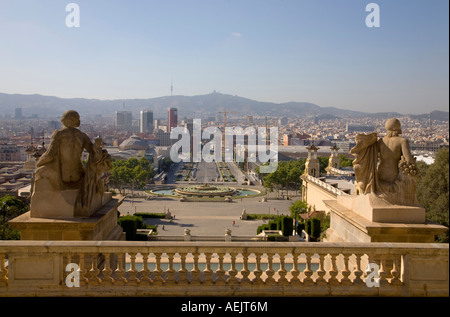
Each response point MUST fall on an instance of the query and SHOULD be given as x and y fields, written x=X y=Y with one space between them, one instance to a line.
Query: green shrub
x=273 y=225
x=150 y=215
x=129 y=225
x=153 y=227
x=262 y=227
x=260 y=216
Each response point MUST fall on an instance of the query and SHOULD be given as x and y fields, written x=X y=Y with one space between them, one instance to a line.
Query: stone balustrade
x=328 y=187
x=125 y=268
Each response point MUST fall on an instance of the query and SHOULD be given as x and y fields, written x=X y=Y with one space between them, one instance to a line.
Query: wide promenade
x=205 y=218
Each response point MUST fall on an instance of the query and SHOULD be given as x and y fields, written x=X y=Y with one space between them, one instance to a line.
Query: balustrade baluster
x=321 y=271
x=233 y=271
x=382 y=273
x=132 y=272
x=307 y=271
x=195 y=272
x=245 y=272
x=120 y=269
x=158 y=272
x=357 y=271
x=345 y=271
x=257 y=272
x=170 y=271
x=295 y=272
x=107 y=271
x=208 y=273
x=333 y=270
x=145 y=272
x=94 y=271
x=183 y=272
x=270 y=271
x=282 y=271
x=395 y=272
x=221 y=278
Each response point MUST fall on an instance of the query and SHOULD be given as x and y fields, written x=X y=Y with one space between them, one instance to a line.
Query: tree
x=345 y=162
x=323 y=163
x=433 y=189
x=287 y=176
x=133 y=172
x=11 y=207
x=298 y=207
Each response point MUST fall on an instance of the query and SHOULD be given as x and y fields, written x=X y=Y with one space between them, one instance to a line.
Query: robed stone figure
x=385 y=167
x=62 y=185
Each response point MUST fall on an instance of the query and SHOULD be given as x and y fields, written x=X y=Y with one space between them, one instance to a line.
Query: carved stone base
x=102 y=225
x=376 y=209
x=349 y=226
x=61 y=204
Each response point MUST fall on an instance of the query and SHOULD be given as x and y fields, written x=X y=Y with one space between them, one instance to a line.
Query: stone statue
x=243 y=214
x=92 y=187
x=62 y=186
x=60 y=167
x=385 y=166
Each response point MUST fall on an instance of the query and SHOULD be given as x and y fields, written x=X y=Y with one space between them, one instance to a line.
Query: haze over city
x=307 y=51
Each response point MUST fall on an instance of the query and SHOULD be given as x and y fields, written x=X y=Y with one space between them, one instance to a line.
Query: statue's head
x=70 y=119
x=393 y=127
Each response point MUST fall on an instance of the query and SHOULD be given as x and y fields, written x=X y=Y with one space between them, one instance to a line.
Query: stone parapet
x=125 y=268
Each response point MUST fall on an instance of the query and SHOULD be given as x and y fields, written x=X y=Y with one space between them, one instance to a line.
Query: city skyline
x=305 y=51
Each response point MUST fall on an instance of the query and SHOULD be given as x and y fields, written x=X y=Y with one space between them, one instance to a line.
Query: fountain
x=206 y=190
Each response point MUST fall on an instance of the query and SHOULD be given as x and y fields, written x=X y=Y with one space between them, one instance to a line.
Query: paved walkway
x=205 y=218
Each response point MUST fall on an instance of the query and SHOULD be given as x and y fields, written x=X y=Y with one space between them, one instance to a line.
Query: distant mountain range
x=201 y=106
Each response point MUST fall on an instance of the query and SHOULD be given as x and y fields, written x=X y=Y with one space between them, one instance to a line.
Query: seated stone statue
x=385 y=167
x=60 y=168
x=60 y=179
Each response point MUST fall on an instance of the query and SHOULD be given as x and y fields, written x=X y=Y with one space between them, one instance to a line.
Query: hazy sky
x=318 y=51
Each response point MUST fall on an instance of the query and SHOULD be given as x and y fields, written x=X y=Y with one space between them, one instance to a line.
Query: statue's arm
x=406 y=151
x=51 y=152
x=88 y=144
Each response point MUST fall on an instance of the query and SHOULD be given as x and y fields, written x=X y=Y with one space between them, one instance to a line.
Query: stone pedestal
x=62 y=204
x=101 y=225
x=364 y=218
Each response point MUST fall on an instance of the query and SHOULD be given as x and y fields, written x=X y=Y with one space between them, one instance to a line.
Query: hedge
x=300 y=227
x=315 y=228
x=150 y=214
x=286 y=226
x=308 y=226
x=129 y=224
x=273 y=225
x=262 y=227
x=260 y=216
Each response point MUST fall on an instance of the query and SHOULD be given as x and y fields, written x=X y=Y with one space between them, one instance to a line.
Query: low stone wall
x=125 y=268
